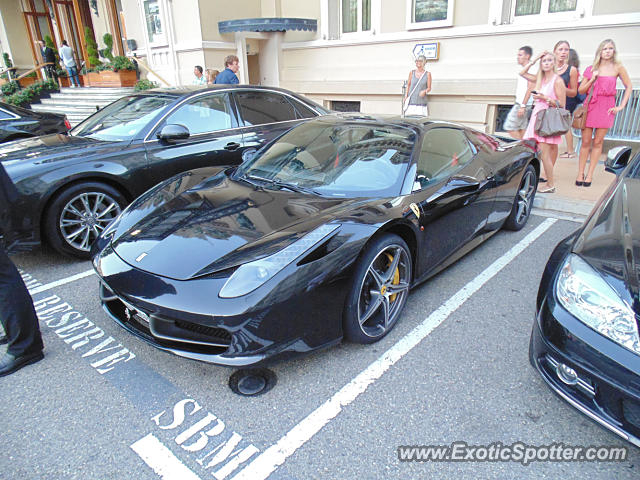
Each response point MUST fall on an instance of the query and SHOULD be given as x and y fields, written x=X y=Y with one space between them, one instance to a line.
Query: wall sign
x=430 y=50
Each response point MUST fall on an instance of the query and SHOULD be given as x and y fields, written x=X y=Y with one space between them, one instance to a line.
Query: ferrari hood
x=610 y=241
x=215 y=224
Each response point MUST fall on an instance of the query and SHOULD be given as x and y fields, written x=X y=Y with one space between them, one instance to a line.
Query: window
x=203 y=114
x=345 y=106
x=356 y=16
x=535 y=7
x=153 y=19
x=444 y=151
x=258 y=108
x=430 y=13
x=6 y=115
x=303 y=111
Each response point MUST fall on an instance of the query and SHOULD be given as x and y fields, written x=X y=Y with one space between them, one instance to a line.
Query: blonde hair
x=210 y=74
x=598 y=57
x=541 y=73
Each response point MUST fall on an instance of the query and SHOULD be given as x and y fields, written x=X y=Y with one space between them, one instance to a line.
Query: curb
x=564 y=205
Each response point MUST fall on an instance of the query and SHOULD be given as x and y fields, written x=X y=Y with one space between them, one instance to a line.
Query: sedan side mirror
x=173 y=132
x=617 y=159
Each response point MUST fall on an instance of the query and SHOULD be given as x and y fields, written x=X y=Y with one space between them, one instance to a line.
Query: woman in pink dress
x=549 y=90
x=600 y=78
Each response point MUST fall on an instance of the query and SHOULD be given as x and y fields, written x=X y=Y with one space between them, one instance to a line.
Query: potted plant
x=118 y=72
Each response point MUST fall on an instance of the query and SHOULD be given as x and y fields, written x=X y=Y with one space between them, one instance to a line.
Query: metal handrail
x=626 y=125
x=37 y=67
x=150 y=70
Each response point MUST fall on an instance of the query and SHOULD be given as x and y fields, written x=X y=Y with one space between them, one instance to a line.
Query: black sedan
x=319 y=236
x=16 y=123
x=72 y=186
x=585 y=340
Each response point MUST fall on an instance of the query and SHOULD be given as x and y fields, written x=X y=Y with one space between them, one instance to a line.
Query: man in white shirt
x=518 y=117
x=69 y=62
x=198 y=78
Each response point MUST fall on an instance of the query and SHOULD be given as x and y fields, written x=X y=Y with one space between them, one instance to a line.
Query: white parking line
x=265 y=464
x=162 y=460
x=62 y=281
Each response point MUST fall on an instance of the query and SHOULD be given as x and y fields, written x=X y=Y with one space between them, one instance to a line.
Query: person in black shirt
x=17 y=315
x=48 y=56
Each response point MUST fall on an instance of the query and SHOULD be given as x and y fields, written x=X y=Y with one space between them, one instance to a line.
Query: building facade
x=356 y=54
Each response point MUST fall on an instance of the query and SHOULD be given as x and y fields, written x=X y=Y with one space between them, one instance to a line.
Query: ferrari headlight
x=584 y=293
x=251 y=275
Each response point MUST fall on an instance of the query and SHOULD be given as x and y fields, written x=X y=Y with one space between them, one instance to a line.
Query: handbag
x=552 y=122
x=580 y=114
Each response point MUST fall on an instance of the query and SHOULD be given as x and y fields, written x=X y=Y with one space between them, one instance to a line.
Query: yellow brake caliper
x=396 y=277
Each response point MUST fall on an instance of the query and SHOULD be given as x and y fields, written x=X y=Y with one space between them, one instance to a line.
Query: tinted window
x=5 y=115
x=338 y=159
x=258 y=108
x=203 y=114
x=123 y=119
x=303 y=111
x=443 y=151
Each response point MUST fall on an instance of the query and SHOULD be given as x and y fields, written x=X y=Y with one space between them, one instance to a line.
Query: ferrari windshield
x=123 y=119
x=344 y=159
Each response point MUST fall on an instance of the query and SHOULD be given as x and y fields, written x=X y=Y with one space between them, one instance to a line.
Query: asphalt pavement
x=105 y=405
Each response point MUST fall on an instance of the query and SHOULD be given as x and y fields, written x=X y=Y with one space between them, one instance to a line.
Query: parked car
x=16 y=123
x=585 y=341
x=319 y=236
x=73 y=185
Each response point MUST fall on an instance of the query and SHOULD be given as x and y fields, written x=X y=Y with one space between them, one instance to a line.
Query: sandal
x=568 y=155
x=542 y=180
x=548 y=190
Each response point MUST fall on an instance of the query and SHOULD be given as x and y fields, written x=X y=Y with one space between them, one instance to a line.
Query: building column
x=270 y=59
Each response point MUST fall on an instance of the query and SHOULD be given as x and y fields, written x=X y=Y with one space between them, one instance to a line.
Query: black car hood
x=610 y=241
x=17 y=156
x=216 y=224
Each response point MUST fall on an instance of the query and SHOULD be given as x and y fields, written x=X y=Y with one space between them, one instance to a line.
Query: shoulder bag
x=580 y=113
x=553 y=121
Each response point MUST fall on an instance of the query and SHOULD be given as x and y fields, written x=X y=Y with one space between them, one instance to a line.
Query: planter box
x=107 y=78
x=26 y=81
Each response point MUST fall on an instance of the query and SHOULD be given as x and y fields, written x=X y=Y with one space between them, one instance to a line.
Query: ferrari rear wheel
x=523 y=202
x=379 y=290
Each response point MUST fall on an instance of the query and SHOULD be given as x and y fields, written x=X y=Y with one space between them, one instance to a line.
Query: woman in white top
x=67 y=57
x=418 y=85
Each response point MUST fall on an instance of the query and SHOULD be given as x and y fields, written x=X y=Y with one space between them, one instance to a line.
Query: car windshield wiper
x=278 y=183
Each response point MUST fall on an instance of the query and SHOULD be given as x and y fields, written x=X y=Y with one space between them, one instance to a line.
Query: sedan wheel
x=379 y=290
x=77 y=217
x=523 y=202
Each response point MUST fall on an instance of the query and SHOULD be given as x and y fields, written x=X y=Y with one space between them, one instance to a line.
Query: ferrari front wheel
x=379 y=290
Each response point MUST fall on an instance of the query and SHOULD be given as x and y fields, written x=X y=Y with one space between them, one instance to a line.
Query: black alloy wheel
x=523 y=202
x=379 y=290
x=78 y=215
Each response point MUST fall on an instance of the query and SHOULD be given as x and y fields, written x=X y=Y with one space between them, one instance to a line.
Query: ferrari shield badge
x=415 y=209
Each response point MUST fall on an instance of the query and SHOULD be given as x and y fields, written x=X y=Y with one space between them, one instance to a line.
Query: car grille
x=217 y=333
x=166 y=332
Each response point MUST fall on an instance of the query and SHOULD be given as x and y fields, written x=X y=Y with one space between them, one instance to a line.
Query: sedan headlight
x=251 y=275
x=584 y=293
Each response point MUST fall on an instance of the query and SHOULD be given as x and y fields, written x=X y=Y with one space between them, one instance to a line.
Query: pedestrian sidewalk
x=569 y=198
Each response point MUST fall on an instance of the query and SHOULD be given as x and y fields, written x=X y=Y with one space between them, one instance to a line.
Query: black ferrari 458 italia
x=320 y=236
x=72 y=186
x=585 y=340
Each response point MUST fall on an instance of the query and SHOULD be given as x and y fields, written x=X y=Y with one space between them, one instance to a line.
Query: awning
x=268 y=25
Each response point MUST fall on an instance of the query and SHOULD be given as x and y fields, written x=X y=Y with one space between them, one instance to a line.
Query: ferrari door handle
x=232 y=146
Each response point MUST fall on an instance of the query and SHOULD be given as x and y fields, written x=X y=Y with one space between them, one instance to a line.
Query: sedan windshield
x=122 y=120
x=346 y=160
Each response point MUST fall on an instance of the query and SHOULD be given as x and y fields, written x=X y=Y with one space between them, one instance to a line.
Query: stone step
x=96 y=90
x=86 y=110
x=77 y=102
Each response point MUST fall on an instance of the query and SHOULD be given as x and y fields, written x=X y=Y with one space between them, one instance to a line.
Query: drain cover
x=252 y=381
